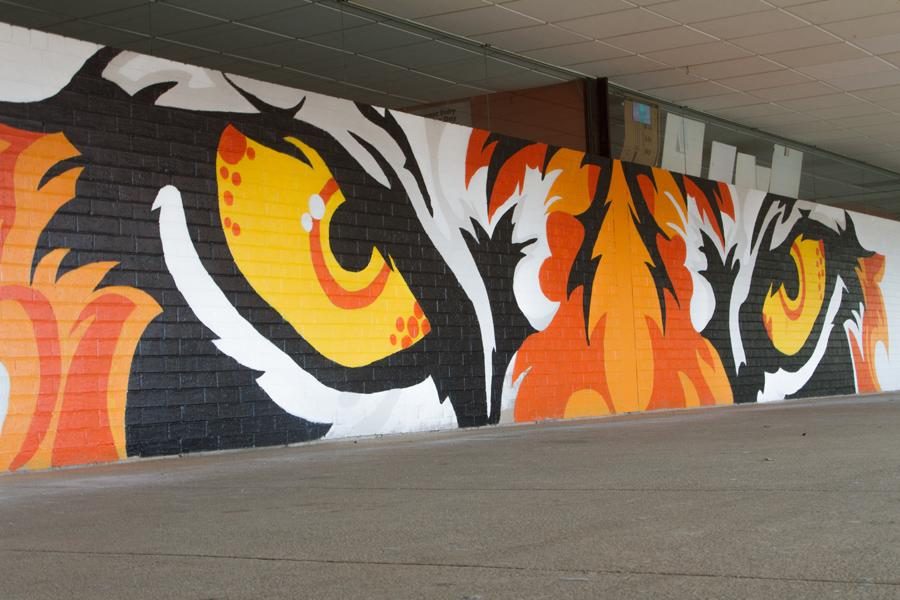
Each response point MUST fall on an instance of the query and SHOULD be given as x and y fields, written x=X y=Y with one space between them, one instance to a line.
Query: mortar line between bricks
x=720 y=490
x=451 y=565
x=563 y=489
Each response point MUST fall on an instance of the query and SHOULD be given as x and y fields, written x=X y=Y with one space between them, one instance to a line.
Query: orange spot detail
x=223 y=172
x=229 y=198
x=407 y=341
x=236 y=178
x=236 y=229
x=413 y=327
x=232 y=145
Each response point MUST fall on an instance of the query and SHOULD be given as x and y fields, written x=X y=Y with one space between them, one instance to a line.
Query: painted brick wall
x=191 y=261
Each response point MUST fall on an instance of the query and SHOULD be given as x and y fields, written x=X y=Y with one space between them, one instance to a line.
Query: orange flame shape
x=641 y=351
x=874 y=324
x=65 y=346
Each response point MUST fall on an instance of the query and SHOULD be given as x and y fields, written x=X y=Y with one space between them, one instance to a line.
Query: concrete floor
x=789 y=500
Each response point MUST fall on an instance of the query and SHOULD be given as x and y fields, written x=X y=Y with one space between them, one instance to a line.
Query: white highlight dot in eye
x=307 y=222
x=316 y=206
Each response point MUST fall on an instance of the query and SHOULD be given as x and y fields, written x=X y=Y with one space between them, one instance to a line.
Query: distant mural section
x=194 y=261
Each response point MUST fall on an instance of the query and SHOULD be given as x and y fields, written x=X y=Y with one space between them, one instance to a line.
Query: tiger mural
x=294 y=266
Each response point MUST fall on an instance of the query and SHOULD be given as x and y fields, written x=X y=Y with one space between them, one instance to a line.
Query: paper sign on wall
x=745 y=171
x=641 y=143
x=786 y=166
x=683 y=145
x=763 y=175
x=721 y=162
x=459 y=113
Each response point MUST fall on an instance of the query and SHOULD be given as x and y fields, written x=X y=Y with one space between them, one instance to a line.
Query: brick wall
x=251 y=265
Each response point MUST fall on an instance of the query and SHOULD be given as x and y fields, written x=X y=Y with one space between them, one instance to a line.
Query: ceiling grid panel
x=825 y=71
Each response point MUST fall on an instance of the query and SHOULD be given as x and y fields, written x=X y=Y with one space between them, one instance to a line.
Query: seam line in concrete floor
x=720 y=490
x=455 y=566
